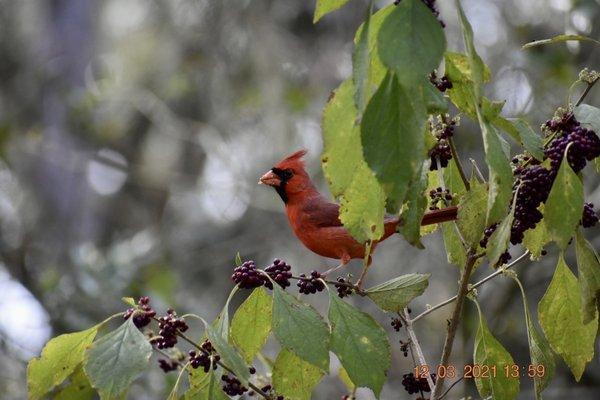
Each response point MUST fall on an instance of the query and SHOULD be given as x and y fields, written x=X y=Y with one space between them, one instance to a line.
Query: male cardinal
x=315 y=220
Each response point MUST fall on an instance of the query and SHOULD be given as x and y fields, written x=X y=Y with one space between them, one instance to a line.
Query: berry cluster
x=311 y=284
x=442 y=128
x=532 y=188
x=585 y=144
x=141 y=315
x=589 y=217
x=442 y=152
x=247 y=276
x=205 y=358
x=232 y=386
x=438 y=196
x=396 y=324
x=441 y=84
x=414 y=385
x=343 y=287
x=169 y=326
x=168 y=365
x=404 y=348
x=280 y=272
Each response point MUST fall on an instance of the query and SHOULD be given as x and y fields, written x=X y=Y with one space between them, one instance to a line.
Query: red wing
x=322 y=214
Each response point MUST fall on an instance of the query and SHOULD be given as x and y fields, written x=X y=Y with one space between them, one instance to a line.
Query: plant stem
x=461 y=170
x=586 y=91
x=472 y=287
x=414 y=343
x=226 y=368
x=451 y=386
x=463 y=289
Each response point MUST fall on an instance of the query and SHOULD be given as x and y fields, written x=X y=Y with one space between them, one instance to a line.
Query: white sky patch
x=122 y=17
x=24 y=321
x=581 y=22
x=104 y=178
x=513 y=86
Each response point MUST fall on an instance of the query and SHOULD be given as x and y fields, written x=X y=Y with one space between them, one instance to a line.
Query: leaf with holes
x=299 y=328
x=360 y=343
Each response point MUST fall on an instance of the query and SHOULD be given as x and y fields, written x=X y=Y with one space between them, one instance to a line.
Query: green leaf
x=588 y=116
x=325 y=7
x=411 y=41
x=377 y=70
x=415 y=206
x=342 y=155
x=471 y=213
x=498 y=242
x=453 y=180
x=343 y=375
x=589 y=276
x=362 y=208
x=476 y=65
x=531 y=140
x=229 y=354
x=115 y=360
x=349 y=177
x=539 y=349
x=535 y=239
x=458 y=70
x=299 y=328
x=360 y=64
x=79 y=388
x=360 y=343
x=251 y=323
x=559 y=39
x=238 y=259
x=129 y=301
x=435 y=102
x=395 y=294
x=455 y=250
x=501 y=178
x=204 y=386
x=222 y=322
x=59 y=358
x=293 y=377
x=392 y=130
x=488 y=351
x=564 y=206
x=561 y=315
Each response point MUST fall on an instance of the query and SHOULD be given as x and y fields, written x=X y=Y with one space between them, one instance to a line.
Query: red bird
x=315 y=220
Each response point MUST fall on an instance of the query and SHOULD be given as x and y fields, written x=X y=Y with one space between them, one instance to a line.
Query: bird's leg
x=343 y=261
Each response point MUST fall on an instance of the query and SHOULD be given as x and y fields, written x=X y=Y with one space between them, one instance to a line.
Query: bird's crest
x=293 y=160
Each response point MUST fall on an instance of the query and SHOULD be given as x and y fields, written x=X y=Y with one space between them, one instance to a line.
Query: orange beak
x=270 y=179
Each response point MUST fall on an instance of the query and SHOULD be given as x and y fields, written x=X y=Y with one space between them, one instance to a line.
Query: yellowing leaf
x=59 y=358
x=561 y=315
x=293 y=377
x=251 y=323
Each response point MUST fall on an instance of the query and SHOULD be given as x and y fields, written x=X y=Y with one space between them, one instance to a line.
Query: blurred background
x=132 y=135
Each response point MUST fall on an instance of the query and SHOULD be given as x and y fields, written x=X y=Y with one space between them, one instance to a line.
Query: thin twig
x=587 y=90
x=451 y=386
x=350 y=285
x=461 y=171
x=471 y=287
x=454 y=321
x=414 y=343
x=477 y=170
x=226 y=368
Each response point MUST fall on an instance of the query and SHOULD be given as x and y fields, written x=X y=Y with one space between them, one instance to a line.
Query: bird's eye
x=288 y=173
